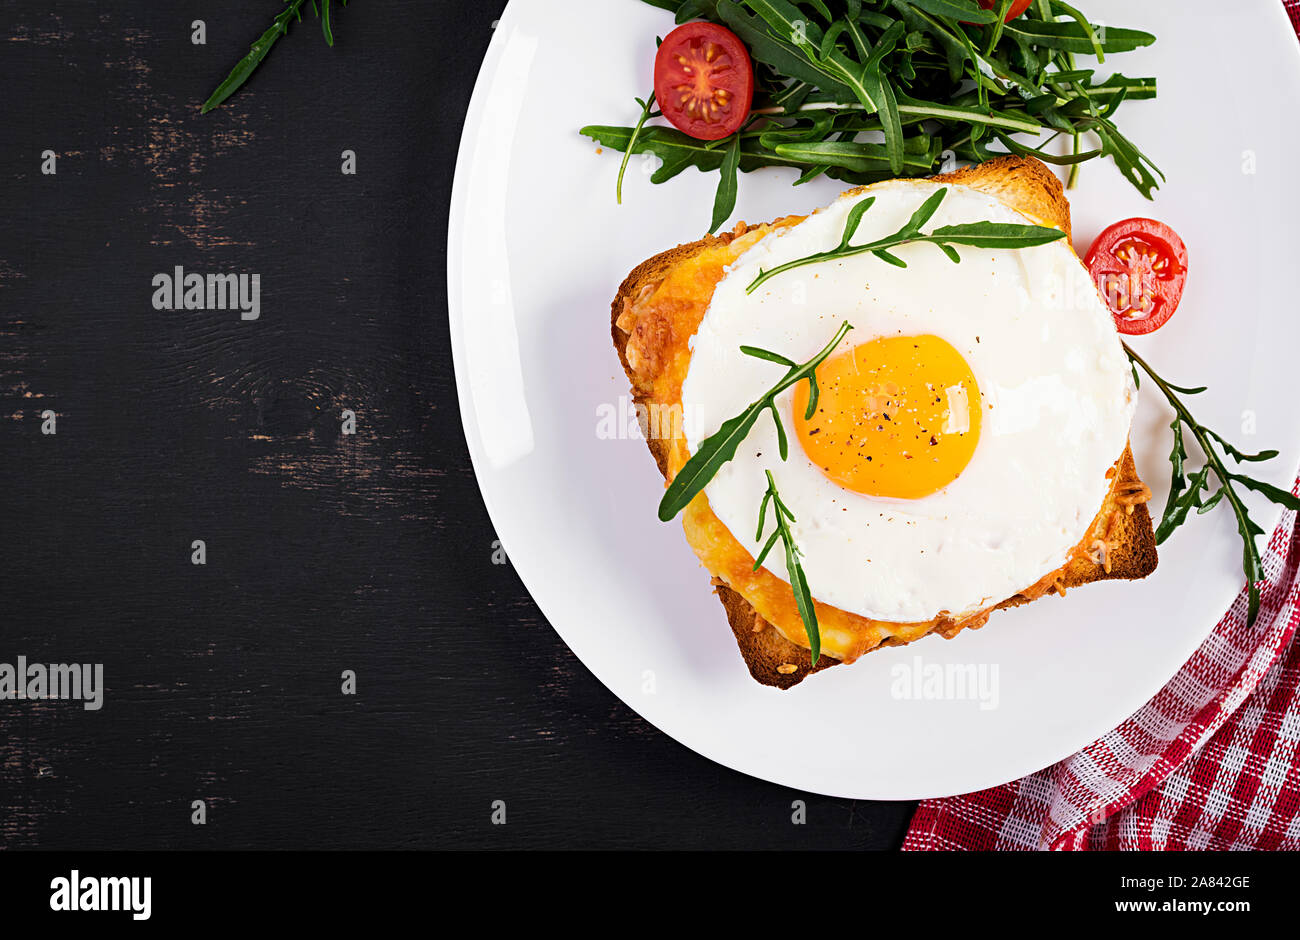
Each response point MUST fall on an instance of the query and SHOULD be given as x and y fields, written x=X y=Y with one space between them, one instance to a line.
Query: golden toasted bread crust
x=649 y=272
x=1024 y=184
x=1121 y=543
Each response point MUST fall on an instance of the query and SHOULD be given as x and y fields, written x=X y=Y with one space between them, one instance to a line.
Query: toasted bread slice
x=1120 y=544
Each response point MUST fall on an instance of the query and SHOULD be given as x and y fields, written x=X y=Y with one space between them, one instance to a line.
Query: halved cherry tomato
x=704 y=80
x=1140 y=266
x=1018 y=7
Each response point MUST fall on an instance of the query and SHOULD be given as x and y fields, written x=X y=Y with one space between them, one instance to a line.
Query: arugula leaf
x=692 y=9
x=964 y=11
x=720 y=447
x=1076 y=37
x=1185 y=493
x=262 y=47
x=995 y=235
x=780 y=52
x=972 y=234
x=1133 y=89
x=1133 y=163
x=860 y=157
x=1003 y=119
x=646 y=106
x=786 y=19
x=1274 y=493
x=1233 y=452
x=803 y=598
x=891 y=120
x=678 y=150
x=725 y=201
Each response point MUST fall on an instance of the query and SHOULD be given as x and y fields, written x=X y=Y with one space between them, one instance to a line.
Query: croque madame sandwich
x=911 y=407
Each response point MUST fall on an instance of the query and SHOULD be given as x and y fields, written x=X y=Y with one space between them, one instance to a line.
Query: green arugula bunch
x=866 y=90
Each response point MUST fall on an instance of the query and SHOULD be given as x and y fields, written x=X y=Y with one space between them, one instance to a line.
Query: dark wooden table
x=325 y=552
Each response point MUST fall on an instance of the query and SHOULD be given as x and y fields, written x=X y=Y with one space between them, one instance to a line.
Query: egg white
x=1057 y=401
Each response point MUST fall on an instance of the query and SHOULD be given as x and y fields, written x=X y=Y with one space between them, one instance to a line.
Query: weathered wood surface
x=325 y=552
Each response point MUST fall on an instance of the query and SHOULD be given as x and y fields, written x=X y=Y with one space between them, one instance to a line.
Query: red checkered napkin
x=1212 y=762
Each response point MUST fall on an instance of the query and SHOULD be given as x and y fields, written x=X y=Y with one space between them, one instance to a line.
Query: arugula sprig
x=865 y=90
x=973 y=234
x=720 y=447
x=798 y=581
x=1187 y=489
x=263 y=45
x=647 y=112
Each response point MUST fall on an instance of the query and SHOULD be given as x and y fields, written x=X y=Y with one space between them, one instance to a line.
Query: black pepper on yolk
x=896 y=417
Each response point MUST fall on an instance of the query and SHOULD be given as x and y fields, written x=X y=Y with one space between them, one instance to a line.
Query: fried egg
x=965 y=427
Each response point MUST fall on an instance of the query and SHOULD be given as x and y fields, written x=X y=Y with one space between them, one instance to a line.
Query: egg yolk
x=896 y=417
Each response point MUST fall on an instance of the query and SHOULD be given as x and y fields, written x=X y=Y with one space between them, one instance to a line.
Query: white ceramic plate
x=538 y=249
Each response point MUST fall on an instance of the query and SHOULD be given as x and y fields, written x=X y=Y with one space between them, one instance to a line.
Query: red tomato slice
x=1140 y=267
x=1018 y=7
x=704 y=80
